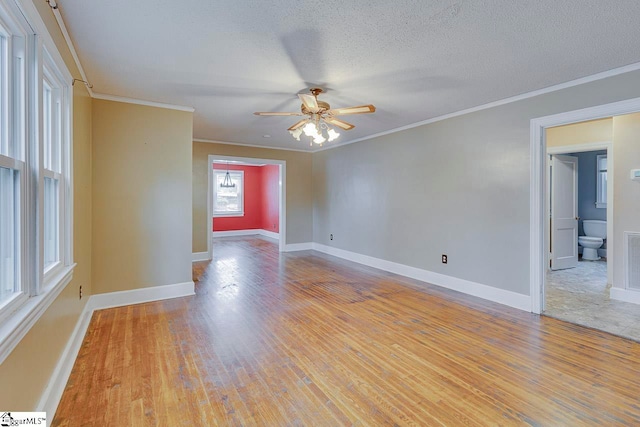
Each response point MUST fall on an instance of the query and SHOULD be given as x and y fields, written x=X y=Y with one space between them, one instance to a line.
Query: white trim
x=200 y=256
x=71 y=47
x=626 y=295
x=282 y=194
x=501 y=296
x=580 y=148
x=50 y=398
x=52 y=394
x=294 y=247
x=17 y=324
x=248 y=232
x=231 y=233
x=115 y=98
x=583 y=80
x=211 y=141
x=141 y=295
x=269 y=234
x=537 y=146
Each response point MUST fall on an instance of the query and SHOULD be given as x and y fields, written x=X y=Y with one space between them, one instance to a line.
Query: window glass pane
x=228 y=199
x=602 y=163
x=9 y=233
x=51 y=222
x=47 y=112
x=4 y=97
x=602 y=187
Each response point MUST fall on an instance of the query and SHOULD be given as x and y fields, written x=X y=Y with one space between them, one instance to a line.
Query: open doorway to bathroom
x=579 y=197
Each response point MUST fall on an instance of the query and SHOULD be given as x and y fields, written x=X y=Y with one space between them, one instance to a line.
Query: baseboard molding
x=250 y=232
x=626 y=295
x=270 y=234
x=53 y=392
x=294 y=247
x=142 y=295
x=200 y=256
x=509 y=298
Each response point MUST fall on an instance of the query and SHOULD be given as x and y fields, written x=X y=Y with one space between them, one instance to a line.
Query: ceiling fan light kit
x=320 y=116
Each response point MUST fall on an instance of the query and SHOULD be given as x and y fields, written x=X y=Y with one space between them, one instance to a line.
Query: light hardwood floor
x=307 y=339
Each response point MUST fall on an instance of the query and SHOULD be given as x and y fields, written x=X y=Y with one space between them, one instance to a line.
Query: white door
x=564 y=212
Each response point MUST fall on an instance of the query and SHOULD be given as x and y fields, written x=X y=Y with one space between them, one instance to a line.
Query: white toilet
x=596 y=232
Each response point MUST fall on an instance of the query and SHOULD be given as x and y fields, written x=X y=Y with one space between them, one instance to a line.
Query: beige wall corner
x=626 y=193
x=142 y=196
x=298 y=185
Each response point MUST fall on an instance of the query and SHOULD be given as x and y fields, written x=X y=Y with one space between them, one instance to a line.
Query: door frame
x=282 y=195
x=537 y=204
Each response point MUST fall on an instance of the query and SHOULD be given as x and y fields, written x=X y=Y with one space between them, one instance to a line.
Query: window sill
x=229 y=215
x=18 y=323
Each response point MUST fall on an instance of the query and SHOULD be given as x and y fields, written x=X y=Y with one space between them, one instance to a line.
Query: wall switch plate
x=444 y=259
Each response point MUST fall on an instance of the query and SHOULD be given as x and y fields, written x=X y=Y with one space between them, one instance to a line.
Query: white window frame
x=221 y=214
x=601 y=200
x=41 y=59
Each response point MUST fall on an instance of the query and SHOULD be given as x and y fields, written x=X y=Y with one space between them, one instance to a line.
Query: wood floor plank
x=307 y=339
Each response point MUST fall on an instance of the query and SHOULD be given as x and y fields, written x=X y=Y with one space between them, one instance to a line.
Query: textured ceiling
x=412 y=59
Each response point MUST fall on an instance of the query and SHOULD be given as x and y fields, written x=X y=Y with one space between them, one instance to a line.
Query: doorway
x=578 y=277
x=281 y=190
x=623 y=295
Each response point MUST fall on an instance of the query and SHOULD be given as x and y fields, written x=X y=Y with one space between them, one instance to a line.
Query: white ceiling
x=413 y=59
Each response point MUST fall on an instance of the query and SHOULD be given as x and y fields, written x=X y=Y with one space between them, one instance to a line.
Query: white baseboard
x=250 y=232
x=142 y=295
x=53 y=392
x=235 y=233
x=270 y=234
x=626 y=295
x=512 y=299
x=199 y=256
x=294 y=247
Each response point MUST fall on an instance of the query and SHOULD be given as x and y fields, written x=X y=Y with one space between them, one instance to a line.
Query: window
x=35 y=175
x=13 y=291
x=228 y=201
x=601 y=181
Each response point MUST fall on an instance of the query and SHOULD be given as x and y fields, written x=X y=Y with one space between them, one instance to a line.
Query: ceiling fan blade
x=299 y=124
x=259 y=113
x=361 y=109
x=337 y=122
x=310 y=102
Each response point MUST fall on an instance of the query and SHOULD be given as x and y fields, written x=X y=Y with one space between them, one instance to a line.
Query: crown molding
x=211 y=141
x=115 y=98
x=583 y=80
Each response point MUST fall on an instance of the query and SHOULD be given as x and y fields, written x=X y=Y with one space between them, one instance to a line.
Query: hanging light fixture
x=227 y=183
x=317 y=130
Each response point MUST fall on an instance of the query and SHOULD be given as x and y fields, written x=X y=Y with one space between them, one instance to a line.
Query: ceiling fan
x=320 y=116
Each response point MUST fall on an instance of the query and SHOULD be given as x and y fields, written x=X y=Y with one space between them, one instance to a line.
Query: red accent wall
x=261 y=204
x=270 y=198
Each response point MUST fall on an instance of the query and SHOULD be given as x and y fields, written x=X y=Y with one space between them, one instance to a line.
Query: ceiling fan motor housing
x=322 y=107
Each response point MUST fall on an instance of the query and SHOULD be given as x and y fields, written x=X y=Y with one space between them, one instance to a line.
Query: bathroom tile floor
x=580 y=295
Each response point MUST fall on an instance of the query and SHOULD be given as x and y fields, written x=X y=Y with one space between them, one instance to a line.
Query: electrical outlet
x=330 y=236
x=444 y=259
x=80 y=292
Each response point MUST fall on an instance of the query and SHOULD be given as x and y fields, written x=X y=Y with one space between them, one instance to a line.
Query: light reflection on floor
x=580 y=295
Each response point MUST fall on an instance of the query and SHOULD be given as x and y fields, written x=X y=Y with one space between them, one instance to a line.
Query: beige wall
x=626 y=193
x=298 y=186
x=29 y=367
x=581 y=133
x=142 y=196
